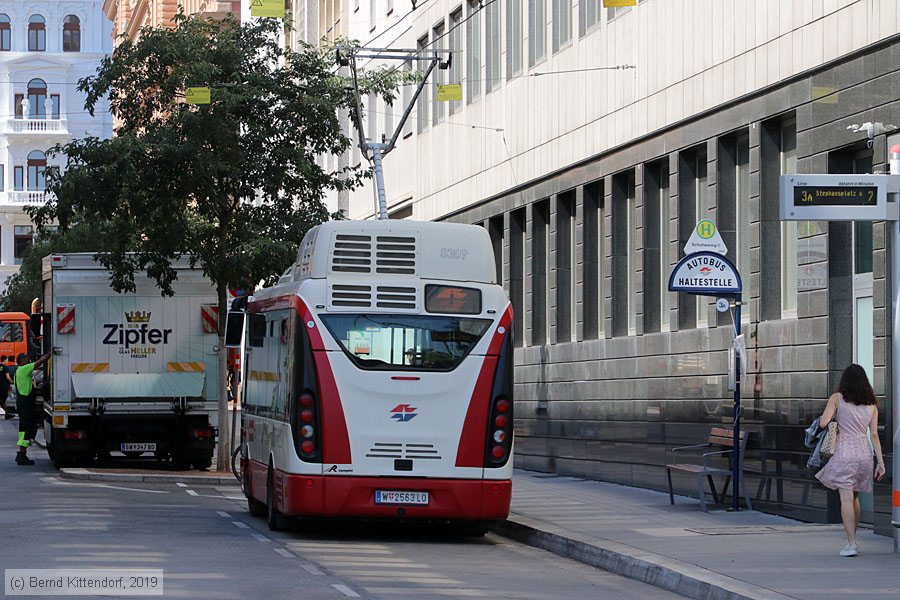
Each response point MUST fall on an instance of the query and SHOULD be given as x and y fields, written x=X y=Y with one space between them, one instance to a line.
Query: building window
x=565 y=265
x=2 y=178
x=37 y=99
x=788 y=160
x=513 y=38
x=592 y=237
x=656 y=247
x=5 y=33
x=37 y=34
x=862 y=230
x=492 y=45
x=701 y=210
x=590 y=11
x=742 y=205
x=562 y=23
x=473 y=52
x=623 y=283
x=18 y=178
x=54 y=105
x=517 y=219
x=456 y=44
x=372 y=9
x=22 y=241
x=423 y=101
x=539 y=250
x=537 y=31
x=612 y=13
x=37 y=167
x=71 y=34
x=438 y=77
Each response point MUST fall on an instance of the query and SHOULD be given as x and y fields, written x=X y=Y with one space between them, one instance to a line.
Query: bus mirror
x=234 y=327
x=257 y=331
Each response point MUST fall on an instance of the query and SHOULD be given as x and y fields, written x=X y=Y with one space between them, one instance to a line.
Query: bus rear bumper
x=348 y=496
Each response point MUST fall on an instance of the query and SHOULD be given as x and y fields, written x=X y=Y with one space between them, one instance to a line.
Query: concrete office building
x=45 y=48
x=590 y=176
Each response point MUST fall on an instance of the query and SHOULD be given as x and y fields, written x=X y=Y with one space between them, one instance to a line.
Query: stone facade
x=128 y=16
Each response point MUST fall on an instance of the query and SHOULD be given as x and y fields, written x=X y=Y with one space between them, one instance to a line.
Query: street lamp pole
x=895 y=357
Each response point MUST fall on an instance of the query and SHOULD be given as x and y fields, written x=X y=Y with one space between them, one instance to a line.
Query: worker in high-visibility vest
x=25 y=405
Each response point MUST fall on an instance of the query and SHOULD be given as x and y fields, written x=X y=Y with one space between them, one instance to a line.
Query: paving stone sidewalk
x=718 y=554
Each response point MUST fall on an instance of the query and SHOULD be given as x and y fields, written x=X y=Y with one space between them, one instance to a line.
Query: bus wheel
x=274 y=519
x=254 y=506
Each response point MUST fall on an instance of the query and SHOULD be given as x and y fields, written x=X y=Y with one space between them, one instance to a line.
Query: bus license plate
x=151 y=447
x=398 y=497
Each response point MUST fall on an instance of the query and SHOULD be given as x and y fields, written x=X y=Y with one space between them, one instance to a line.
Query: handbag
x=829 y=441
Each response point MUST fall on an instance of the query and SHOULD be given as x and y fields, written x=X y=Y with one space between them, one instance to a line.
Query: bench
x=718 y=437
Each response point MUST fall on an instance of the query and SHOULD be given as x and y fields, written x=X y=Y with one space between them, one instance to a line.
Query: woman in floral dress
x=854 y=407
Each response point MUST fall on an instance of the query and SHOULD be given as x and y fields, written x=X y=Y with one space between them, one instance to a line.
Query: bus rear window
x=11 y=332
x=405 y=342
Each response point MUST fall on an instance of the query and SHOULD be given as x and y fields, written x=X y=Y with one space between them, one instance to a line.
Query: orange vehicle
x=13 y=336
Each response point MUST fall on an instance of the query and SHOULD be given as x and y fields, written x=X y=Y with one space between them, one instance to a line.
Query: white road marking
x=191 y=492
x=179 y=484
x=284 y=553
x=223 y=514
x=55 y=481
x=260 y=537
x=311 y=569
x=345 y=590
x=239 y=524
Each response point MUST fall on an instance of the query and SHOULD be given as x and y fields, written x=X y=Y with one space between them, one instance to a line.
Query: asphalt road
x=210 y=547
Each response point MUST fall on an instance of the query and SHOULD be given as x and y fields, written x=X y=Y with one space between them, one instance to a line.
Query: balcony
x=31 y=198
x=37 y=126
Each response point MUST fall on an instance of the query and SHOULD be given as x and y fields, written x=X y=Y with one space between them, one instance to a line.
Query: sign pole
x=736 y=463
x=895 y=357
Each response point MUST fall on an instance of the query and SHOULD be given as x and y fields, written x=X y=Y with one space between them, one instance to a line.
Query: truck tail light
x=203 y=434
x=74 y=434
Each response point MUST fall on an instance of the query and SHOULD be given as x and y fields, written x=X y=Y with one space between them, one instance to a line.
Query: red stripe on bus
x=335 y=438
x=896 y=499
x=505 y=323
x=470 y=452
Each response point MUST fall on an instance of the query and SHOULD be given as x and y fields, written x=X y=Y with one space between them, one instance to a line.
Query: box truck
x=135 y=373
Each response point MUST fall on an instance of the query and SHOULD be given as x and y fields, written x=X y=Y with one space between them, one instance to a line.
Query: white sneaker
x=850 y=550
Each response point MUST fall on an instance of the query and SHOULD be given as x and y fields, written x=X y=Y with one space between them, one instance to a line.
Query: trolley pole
x=895 y=356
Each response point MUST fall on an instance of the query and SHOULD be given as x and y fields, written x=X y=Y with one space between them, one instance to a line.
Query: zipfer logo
x=403 y=413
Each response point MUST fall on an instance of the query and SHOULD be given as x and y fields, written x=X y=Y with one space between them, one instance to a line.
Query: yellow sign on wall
x=267 y=8
x=197 y=95
x=449 y=92
x=618 y=3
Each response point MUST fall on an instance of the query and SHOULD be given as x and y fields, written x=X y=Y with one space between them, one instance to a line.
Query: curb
x=659 y=571
x=86 y=475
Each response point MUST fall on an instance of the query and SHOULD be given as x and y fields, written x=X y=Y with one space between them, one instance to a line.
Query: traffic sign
x=836 y=198
x=267 y=8
x=706 y=238
x=705 y=274
x=448 y=92
x=722 y=305
x=197 y=95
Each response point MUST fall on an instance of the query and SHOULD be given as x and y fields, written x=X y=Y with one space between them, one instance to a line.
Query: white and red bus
x=379 y=378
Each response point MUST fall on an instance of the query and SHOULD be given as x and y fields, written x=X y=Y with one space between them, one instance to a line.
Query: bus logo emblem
x=403 y=413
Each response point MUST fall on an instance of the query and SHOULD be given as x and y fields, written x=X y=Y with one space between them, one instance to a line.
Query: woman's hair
x=854 y=386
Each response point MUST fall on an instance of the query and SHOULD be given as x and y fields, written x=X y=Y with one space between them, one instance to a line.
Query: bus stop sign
x=705 y=274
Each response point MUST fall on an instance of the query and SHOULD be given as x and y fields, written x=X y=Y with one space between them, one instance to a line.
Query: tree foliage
x=234 y=184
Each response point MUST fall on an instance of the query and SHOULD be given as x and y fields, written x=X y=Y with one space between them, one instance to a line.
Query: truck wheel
x=202 y=463
x=274 y=519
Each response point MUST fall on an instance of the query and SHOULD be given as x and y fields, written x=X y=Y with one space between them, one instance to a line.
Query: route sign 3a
x=838 y=197
x=705 y=238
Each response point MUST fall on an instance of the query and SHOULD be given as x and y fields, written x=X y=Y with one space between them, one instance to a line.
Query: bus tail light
x=309 y=422
x=499 y=432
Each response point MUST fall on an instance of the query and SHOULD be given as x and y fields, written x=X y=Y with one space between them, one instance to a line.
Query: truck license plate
x=143 y=447
x=401 y=497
